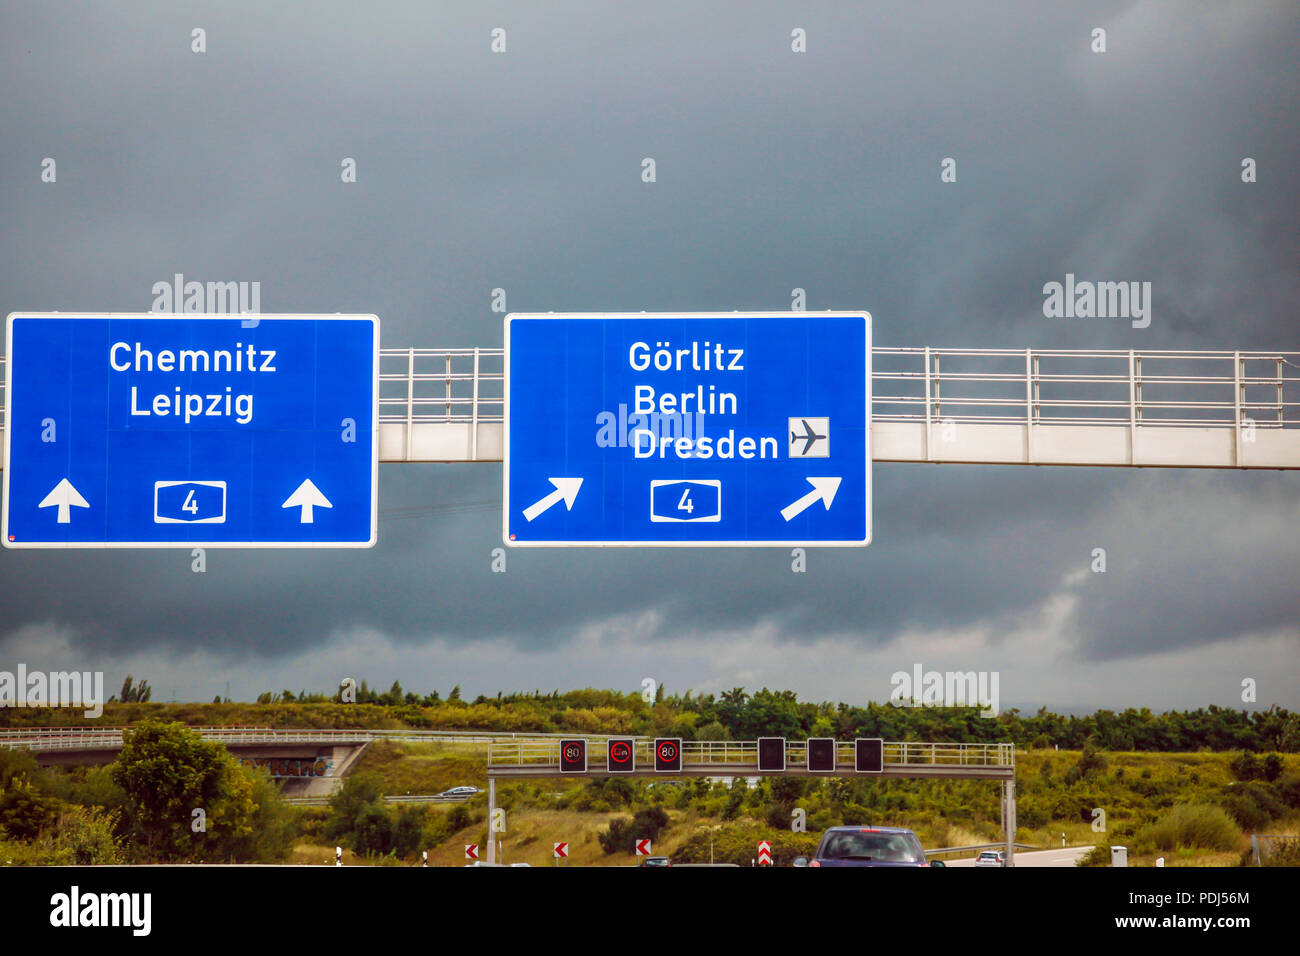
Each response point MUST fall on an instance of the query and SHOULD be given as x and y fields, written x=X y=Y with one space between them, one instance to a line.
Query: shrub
x=1193 y=825
x=1099 y=855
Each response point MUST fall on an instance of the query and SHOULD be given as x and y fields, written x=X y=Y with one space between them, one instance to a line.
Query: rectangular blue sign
x=154 y=431
x=708 y=429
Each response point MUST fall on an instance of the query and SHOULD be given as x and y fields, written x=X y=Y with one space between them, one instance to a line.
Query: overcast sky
x=775 y=170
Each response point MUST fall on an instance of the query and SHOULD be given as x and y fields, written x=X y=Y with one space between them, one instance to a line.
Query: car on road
x=655 y=861
x=868 y=846
x=459 y=792
x=992 y=858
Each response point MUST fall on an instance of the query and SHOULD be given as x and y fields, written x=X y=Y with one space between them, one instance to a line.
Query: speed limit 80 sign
x=573 y=756
x=668 y=754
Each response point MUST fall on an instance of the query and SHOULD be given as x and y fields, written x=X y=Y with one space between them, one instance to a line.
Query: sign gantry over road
x=687 y=429
x=155 y=431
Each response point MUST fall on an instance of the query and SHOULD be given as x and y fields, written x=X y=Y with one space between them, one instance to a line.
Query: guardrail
x=397 y=798
x=79 y=738
x=945 y=851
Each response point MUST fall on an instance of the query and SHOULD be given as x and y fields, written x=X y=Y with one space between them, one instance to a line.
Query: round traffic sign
x=620 y=752
x=667 y=750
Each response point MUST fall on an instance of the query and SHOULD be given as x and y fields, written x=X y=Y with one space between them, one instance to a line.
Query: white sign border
x=505 y=448
x=181 y=545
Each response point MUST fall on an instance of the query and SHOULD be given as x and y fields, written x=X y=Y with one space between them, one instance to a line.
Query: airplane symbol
x=811 y=434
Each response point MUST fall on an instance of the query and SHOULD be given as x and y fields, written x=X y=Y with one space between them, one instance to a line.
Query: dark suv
x=869 y=846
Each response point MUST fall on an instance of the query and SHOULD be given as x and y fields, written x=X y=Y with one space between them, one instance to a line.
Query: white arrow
x=64 y=496
x=565 y=488
x=306 y=497
x=823 y=489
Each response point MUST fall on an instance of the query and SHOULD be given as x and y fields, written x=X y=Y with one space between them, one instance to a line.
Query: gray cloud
x=774 y=171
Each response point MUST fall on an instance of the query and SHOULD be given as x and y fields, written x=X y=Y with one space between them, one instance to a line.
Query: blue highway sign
x=155 y=431
x=708 y=429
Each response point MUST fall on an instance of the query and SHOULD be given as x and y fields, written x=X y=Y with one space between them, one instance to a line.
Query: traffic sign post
x=621 y=755
x=573 y=756
x=712 y=429
x=668 y=755
x=821 y=754
x=156 y=431
x=771 y=755
x=869 y=755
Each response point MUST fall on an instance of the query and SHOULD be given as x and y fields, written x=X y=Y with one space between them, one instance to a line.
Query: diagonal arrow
x=823 y=490
x=64 y=496
x=306 y=496
x=566 y=489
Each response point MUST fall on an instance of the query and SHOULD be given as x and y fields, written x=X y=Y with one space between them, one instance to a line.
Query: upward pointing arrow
x=565 y=488
x=64 y=496
x=823 y=489
x=306 y=496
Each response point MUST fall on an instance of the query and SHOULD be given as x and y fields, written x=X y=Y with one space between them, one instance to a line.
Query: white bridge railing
x=1244 y=406
x=1060 y=386
x=94 y=738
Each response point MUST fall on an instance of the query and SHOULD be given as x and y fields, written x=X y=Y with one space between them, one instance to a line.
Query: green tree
x=168 y=772
x=25 y=812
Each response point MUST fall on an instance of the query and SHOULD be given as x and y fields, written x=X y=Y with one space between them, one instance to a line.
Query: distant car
x=868 y=846
x=459 y=792
x=991 y=858
x=655 y=861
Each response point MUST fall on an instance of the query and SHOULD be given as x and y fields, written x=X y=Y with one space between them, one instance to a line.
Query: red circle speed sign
x=667 y=750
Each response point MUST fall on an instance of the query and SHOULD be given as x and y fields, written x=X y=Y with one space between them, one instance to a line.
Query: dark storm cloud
x=774 y=171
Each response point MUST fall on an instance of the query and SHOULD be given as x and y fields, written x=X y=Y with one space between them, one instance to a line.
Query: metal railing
x=399 y=798
x=949 y=850
x=1080 y=387
x=982 y=386
x=742 y=756
x=90 y=738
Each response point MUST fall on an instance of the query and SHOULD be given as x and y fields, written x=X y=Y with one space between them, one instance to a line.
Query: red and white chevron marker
x=642 y=847
x=764 y=853
x=561 y=851
x=471 y=851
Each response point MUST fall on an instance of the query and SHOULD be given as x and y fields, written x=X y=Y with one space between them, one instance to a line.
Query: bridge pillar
x=1009 y=818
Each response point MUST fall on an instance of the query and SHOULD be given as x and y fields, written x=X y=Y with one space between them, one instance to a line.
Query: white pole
x=492 y=805
x=338 y=856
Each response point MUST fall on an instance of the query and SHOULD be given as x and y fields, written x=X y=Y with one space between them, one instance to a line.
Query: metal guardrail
x=1124 y=387
x=397 y=798
x=945 y=851
x=89 y=738
x=1081 y=387
x=742 y=756
x=985 y=386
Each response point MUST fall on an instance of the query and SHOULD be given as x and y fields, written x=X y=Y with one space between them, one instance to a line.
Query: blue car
x=869 y=846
